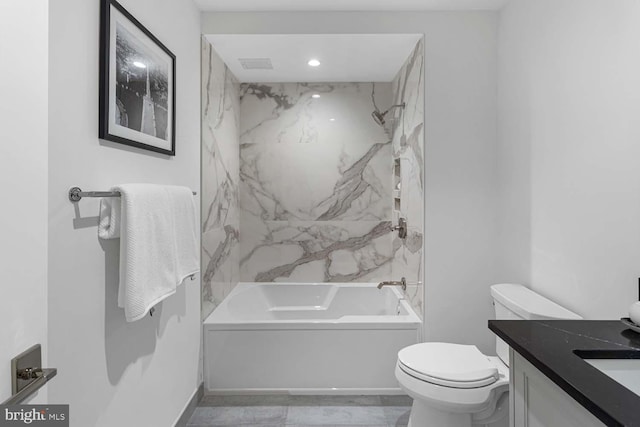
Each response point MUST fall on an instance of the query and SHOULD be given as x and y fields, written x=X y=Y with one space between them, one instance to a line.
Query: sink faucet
x=402 y=283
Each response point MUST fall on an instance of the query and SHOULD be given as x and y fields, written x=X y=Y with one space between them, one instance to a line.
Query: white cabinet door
x=537 y=402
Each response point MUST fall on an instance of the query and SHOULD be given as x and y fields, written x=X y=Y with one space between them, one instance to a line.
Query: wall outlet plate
x=30 y=358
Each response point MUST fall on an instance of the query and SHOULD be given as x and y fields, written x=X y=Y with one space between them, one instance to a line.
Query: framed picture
x=137 y=83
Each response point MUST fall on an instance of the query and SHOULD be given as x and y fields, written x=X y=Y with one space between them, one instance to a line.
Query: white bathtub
x=307 y=338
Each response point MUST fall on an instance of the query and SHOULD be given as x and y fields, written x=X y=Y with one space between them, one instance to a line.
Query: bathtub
x=327 y=338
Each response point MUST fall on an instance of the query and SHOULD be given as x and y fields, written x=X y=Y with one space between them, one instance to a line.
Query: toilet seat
x=448 y=365
x=454 y=399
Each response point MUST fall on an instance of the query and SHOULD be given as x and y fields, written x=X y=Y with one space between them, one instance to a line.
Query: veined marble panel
x=316 y=188
x=316 y=251
x=220 y=265
x=220 y=179
x=299 y=164
x=408 y=146
x=220 y=142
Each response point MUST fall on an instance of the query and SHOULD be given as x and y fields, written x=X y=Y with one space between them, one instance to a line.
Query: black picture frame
x=137 y=83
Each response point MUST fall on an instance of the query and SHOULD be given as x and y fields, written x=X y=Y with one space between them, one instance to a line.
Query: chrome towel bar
x=76 y=194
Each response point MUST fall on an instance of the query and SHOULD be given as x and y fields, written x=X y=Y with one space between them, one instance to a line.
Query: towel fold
x=110 y=213
x=158 y=242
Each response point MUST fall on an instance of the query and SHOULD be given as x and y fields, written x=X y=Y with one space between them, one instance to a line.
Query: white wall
x=460 y=146
x=23 y=174
x=113 y=373
x=570 y=144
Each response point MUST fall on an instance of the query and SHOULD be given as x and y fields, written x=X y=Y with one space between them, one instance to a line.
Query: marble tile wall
x=309 y=181
x=220 y=179
x=408 y=147
x=315 y=183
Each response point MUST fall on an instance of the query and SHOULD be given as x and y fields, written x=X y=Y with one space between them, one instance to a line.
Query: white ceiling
x=343 y=57
x=347 y=5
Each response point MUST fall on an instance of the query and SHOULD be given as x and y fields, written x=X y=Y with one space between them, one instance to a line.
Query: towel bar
x=76 y=193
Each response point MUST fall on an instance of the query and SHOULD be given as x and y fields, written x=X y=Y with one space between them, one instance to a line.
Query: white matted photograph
x=137 y=83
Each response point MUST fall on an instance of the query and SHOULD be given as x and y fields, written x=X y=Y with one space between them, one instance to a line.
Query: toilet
x=454 y=385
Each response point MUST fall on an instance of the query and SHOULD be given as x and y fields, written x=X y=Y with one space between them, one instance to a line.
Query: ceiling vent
x=256 y=63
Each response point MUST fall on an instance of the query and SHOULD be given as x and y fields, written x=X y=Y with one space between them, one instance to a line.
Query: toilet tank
x=517 y=302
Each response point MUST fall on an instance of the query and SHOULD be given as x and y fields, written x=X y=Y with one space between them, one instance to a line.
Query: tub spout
x=402 y=283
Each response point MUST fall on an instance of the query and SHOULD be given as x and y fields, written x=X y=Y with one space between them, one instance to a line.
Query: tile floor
x=302 y=411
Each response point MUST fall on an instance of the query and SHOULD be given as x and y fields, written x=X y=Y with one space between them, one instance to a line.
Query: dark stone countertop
x=557 y=347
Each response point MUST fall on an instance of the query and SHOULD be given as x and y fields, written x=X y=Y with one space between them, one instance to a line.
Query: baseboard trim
x=307 y=391
x=191 y=405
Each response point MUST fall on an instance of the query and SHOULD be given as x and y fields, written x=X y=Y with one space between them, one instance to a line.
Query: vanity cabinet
x=535 y=401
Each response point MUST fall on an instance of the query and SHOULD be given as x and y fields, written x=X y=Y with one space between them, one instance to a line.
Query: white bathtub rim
x=217 y=320
x=309 y=326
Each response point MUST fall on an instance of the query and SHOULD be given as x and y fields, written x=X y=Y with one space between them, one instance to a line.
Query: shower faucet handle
x=401 y=228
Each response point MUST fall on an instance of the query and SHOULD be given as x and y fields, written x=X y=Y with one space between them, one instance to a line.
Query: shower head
x=378 y=117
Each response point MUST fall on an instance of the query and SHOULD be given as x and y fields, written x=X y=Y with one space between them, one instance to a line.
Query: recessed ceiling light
x=315 y=95
x=313 y=63
x=139 y=64
x=332 y=119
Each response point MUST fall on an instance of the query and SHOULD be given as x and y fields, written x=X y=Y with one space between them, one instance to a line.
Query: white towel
x=158 y=242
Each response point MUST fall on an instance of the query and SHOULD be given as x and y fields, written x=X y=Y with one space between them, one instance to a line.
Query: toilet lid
x=450 y=365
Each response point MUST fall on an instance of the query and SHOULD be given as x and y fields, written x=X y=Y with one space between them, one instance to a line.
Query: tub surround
x=408 y=149
x=315 y=192
x=220 y=179
x=299 y=185
x=555 y=348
